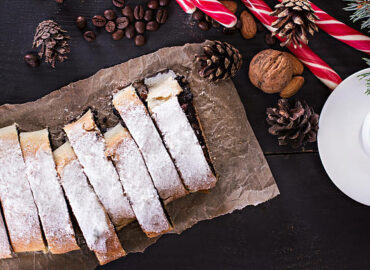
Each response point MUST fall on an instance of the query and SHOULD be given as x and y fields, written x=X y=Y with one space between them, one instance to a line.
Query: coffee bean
x=99 y=21
x=139 y=40
x=269 y=39
x=89 y=36
x=139 y=12
x=215 y=24
x=118 y=35
x=148 y=15
x=130 y=32
x=127 y=12
x=203 y=25
x=163 y=3
x=81 y=22
x=208 y=18
x=152 y=26
x=140 y=27
x=161 y=16
x=153 y=4
x=32 y=60
x=110 y=15
x=260 y=27
x=122 y=22
x=118 y=3
x=110 y=27
x=197 y=15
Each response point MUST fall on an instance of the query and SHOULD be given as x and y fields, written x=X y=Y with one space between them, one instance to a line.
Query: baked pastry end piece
x=5 y=250
x=92 y=219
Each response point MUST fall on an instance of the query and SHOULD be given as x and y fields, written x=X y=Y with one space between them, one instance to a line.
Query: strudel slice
x=178 y=134
x=160 y=166
x=5 y=250
x=19 y=208
x=92 y=219
x=89 y=145
x=136 y=181
x=47 y=192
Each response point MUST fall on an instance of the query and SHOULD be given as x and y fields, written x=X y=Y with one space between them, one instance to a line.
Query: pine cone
x=294 y=124
x=53 y=41
x=295 y=19
x=220 y=61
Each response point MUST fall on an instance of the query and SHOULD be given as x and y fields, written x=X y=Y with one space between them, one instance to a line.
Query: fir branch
x=367 y=60
x=361 y=10
x=366 y=76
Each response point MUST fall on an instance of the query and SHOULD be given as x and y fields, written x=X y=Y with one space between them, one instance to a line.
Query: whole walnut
x=271 y=71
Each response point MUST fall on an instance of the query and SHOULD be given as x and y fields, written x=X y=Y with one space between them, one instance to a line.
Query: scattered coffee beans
x=197 y=15
x=81 y=22
x=122 y=22
x=148 y=15
x=139 y=12
x=140 y=27
x=203 y=25
x=130 y=32
x=89 y=36
x=163 y=3
x=118 y=35
x=161 y=16
x=139 y=40
x=99 y=21
x=118 y=3
x=32 y=60
x=153 y=4
x=127 y=12
x=110 y=27
x=152 y=26
x=110 y=15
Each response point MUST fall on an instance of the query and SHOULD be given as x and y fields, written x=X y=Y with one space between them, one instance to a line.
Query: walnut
x=271 y=71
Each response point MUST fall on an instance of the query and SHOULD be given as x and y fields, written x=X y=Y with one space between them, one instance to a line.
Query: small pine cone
x=220 y=61
x=53 y=41
x=296 y=19
x=294 y=123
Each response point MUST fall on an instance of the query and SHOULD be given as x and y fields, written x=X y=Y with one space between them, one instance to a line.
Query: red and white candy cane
x=341 y=31
x=217 y=11
x=314 y=63
x=187 y=6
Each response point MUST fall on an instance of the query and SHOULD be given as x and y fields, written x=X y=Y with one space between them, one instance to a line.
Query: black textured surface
x=311 y=225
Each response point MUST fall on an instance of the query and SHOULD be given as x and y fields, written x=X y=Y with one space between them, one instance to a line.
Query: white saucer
x=344 y=138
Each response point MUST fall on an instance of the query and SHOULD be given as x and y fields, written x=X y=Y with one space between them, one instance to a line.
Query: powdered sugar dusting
x=5 y=251
x=183 y=145
x=160 y=166
x=47 y=192
x=19 y=208
x=92 y=219
x=137 y=183
x=89 y=146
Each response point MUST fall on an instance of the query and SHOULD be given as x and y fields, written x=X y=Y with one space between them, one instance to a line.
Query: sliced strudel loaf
x=178 y=134
x=136 y=181
x=89 y=145
x=47 y=192
x=19 y=208
x=5 y=250
x=92 y=219
x=160 y=166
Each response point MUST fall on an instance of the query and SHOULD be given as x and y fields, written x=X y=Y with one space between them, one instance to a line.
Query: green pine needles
x=361 y=11
x=366 y=77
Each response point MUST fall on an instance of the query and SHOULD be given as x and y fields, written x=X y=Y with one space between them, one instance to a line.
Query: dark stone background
x=311 y=225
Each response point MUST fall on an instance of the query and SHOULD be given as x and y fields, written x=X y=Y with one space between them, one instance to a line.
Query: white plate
x=344 y=138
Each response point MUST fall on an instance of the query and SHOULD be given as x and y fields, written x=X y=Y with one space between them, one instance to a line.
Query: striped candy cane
x=187 y=6
x=313 y=62
x=341 y=31
x=217 y=11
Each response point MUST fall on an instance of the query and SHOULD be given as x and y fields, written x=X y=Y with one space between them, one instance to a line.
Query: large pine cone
x=220 y=61
x=296 y=19
x=294 y=124
x=53 y=41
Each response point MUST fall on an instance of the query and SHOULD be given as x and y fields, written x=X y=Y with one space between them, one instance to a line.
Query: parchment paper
x=244 y=175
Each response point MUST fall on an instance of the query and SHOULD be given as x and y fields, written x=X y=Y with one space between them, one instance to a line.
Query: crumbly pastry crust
x=92 y=219
x=136 y=181
x=47 y=192
x=160 y=166
x=89 y=146
x=20 y=212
